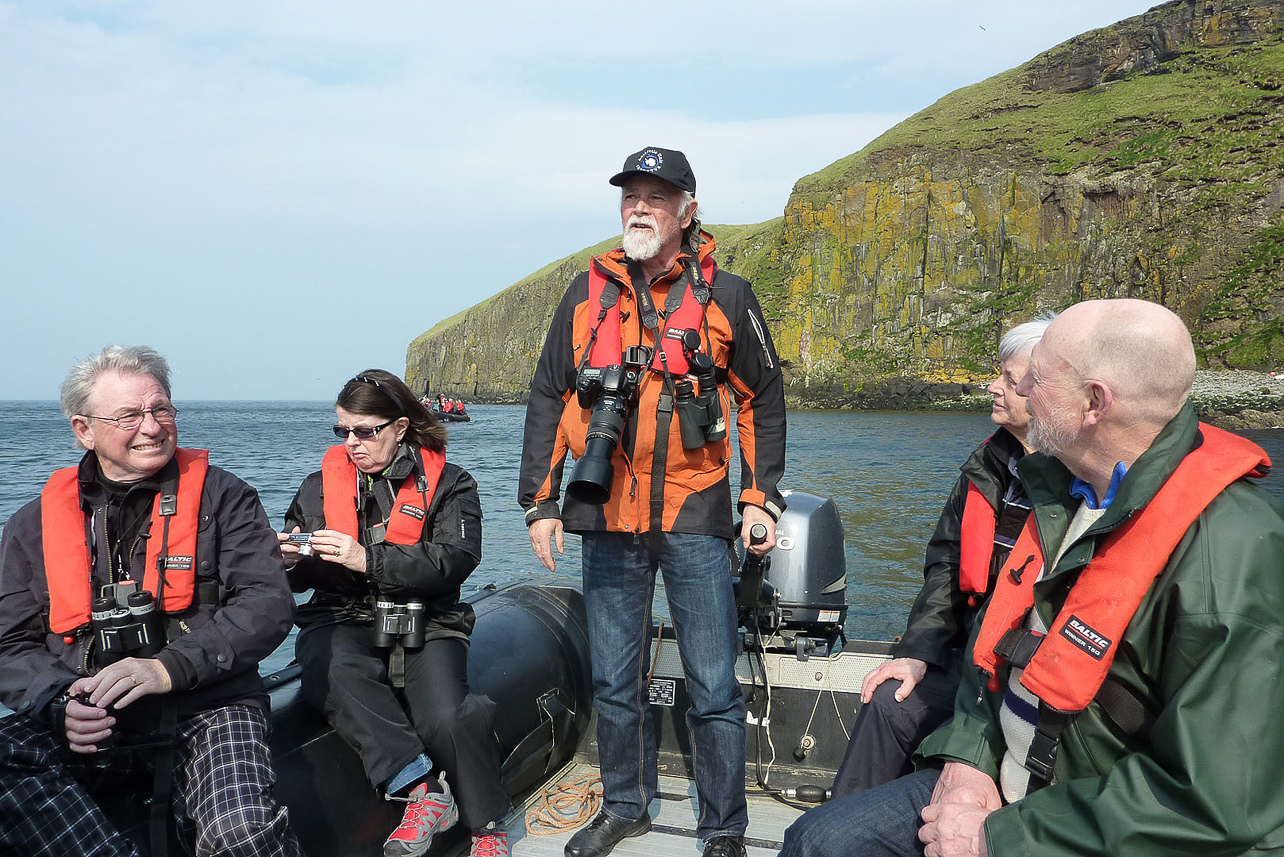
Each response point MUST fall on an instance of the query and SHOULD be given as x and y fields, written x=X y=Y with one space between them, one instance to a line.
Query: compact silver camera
x=303 y=540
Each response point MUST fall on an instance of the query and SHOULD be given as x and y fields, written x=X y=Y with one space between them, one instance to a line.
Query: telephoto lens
x=591 y=479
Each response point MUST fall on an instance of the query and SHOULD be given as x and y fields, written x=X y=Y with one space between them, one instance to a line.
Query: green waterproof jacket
x=1204 y=652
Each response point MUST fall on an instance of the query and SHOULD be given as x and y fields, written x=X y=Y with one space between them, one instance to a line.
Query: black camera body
x=399 y=623
x=610 y=391
x=125 y=623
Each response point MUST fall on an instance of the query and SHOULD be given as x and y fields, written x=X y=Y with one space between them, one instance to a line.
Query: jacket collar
x=404 y=462
x=988 y=465
x=95 y=487
x=615 y=264
x=1048 y=482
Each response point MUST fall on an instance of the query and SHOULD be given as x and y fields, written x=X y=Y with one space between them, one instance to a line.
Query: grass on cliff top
x=738 y=248
x=1194 y=118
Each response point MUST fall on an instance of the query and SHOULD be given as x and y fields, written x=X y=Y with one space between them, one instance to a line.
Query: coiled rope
x=565 y=805
x=571 y=803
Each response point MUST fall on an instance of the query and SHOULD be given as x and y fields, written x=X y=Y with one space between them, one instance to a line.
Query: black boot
x=604 y=832
x=725 y=846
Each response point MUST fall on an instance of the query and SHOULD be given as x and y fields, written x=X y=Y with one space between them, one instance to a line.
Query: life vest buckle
x=1042 y=757
x=168 y=503
x=1017 y=646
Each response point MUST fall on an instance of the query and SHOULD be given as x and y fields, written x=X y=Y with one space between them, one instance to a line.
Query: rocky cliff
x=1144 y=160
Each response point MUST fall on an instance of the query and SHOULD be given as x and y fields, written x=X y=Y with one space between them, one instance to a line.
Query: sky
x=277 y=194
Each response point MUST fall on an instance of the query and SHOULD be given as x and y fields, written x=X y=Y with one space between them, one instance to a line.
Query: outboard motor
x=803 y=596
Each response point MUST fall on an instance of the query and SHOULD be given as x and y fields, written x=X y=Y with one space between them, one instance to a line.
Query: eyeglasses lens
x=134 y=419
x=361 y=432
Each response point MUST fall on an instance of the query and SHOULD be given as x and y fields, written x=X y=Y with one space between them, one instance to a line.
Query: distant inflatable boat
x=434 y=408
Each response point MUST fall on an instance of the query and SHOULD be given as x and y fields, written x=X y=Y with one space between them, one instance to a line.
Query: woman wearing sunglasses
x=383 y=642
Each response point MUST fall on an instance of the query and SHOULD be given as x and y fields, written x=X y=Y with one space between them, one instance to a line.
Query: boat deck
x=673 y=815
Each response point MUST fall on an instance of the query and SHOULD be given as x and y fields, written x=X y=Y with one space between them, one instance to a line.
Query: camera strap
x=397 y=666
x=168 y=504
x=663 y=410
x=163 y=779
x=646 y=307
x=610 y=296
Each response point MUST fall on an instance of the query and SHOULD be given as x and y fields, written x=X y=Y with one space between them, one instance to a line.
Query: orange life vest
x=406 y=524
x=976 y=544
x=689 y=315
x=1072 y=660
x=68 y=564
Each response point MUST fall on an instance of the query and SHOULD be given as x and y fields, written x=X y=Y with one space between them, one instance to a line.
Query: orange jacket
x=696 y=491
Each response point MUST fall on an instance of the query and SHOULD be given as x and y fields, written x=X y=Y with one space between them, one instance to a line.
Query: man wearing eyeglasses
x=137 y=597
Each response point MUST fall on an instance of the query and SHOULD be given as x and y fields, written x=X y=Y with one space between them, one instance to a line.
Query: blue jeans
x=880 y=822
x=619 y=583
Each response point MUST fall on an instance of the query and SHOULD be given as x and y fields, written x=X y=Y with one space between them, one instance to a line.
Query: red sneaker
x=426 y=813
x=489 y=843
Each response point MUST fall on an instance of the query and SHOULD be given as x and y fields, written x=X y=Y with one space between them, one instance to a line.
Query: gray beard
x=641 y=246
x=1053 y=437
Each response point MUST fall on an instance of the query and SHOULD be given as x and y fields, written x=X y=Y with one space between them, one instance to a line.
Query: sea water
x=887 y=473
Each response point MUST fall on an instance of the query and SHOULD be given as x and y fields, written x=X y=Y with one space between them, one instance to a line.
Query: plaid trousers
x=222 y=799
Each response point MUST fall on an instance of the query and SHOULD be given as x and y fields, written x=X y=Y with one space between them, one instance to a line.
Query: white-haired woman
x=906 y=698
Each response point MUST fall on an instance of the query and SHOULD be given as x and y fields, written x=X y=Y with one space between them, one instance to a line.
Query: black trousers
x=888 y=732
x=346 y=677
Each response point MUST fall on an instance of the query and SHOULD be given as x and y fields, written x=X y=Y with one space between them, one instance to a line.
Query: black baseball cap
x=668 y=164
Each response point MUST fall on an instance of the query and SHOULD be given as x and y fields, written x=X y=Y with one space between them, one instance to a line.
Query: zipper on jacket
x=762 y=338
x=88 y=644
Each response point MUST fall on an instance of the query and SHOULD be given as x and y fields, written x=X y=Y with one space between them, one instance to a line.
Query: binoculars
x=125 y=623
x=699 y=409
x=399 y=623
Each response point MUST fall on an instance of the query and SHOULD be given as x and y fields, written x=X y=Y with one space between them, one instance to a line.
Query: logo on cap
x=650 y=161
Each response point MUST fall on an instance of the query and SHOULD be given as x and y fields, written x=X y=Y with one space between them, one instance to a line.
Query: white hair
x=136 y=359
x=1022 y=338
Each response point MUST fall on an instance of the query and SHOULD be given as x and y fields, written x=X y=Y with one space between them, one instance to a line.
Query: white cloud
x=249 y=156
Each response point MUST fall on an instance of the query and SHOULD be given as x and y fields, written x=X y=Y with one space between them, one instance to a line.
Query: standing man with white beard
x=642 y=359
